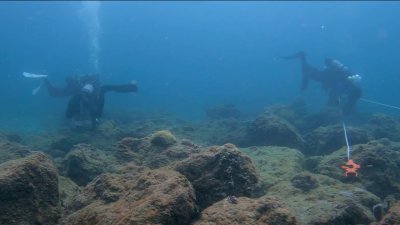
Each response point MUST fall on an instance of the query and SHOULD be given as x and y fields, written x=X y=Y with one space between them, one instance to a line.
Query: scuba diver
x=87 y=95
x=336 y=79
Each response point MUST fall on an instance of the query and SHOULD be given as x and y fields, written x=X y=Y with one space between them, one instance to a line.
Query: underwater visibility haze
x=199 y=112
x=187 y=56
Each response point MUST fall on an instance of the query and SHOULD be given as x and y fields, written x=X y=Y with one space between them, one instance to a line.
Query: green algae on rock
x=264 y=210
x=274 y=164
x=151 y=197
x=10 y=150
x=84 y=163
x=163 y=138
x=331 y=202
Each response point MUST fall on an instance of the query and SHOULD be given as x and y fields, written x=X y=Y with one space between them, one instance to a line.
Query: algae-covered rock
x=163 y=138
x=331 y=202
x=144 y=153
x=392 y=217
x=67 y=189
x=10 y=150
x=246 y=211
x=384 y=126
x=219 y=172
x=274 y=164
x=325 y=140
x=272 y=130
x=304 y=181
x=151 y=197
x=29 y=191
x=379 y=161
x=84 y=163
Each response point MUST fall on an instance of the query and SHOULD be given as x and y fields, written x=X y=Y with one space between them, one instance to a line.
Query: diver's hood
x=88 y=88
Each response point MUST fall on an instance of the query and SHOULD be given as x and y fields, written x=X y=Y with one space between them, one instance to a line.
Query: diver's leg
x=354 y=94
x=334 y=99
x=73 y=107
x=308 y=71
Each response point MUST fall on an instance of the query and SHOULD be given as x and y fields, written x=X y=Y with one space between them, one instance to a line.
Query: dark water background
x=188 y=56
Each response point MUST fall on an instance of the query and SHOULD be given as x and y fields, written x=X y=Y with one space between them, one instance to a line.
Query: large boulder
x=269 y=129
x=325 y=140
x=84 y=162
x=246 y=211
x=380 y=168
x=219 y=172
x=274 y=164
x=152 y=197
x=29 y=191
x=321 y=200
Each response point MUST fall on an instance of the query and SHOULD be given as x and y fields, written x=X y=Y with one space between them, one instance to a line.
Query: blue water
x=188 y=56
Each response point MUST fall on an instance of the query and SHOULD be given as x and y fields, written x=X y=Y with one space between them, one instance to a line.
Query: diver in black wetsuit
x=336 y=79
x=87 y=95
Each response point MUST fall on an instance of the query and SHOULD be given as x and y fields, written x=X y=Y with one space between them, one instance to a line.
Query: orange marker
x=350 y=168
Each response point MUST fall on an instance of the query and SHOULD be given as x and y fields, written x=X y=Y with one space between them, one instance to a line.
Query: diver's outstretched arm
x=124 y=88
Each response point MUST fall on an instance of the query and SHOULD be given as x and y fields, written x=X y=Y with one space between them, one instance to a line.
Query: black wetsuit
x=86 y=103
x=334 y=79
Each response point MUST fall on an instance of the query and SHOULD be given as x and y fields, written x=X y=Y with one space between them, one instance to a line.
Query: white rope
x=381 y=104
x=347 y=140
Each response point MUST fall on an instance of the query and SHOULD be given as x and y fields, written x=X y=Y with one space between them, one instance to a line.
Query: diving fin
x=32 y=75
x=37 y=89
